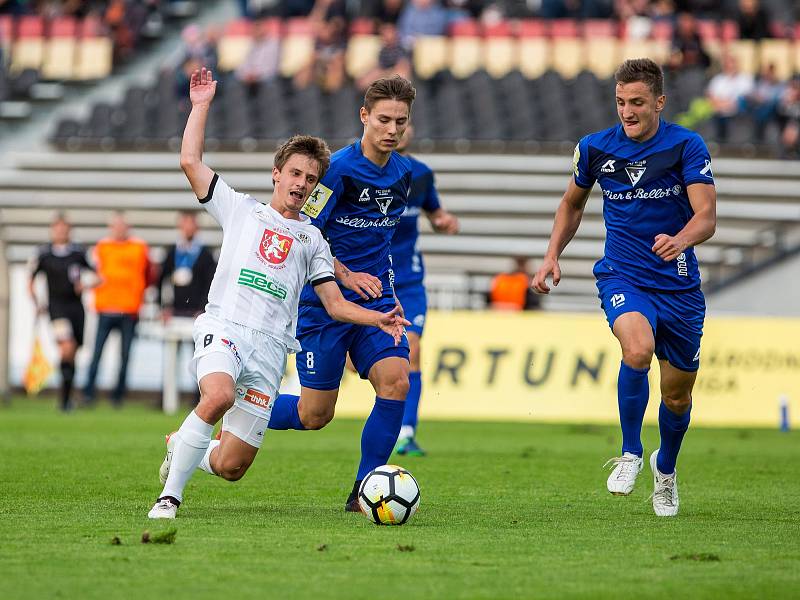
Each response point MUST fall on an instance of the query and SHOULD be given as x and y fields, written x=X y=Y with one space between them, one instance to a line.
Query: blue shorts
x=676 y=318
x=325 y=344
x=415 y=305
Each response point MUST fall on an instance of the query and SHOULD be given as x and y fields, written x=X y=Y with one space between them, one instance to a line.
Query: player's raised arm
x=202 y=88
x=703 y=198
x=348 y=312
x=568 y=217
x=365 y=285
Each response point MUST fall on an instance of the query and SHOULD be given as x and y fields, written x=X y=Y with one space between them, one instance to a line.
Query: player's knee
x=677 y=402
x=215 y=402
x=395 y=388
x=638 y=356
x=233 y=472
x=317 y=420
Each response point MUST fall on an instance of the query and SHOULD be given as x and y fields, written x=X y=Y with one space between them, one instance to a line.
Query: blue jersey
x=406 y=258
x=357 y=205
x=644 y=194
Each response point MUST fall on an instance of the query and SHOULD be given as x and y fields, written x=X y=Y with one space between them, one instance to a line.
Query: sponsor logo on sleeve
x=707 y=170
x=317 y=200
x=576 y=157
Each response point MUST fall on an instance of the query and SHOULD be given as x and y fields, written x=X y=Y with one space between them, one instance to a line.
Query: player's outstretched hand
x=668 y=248
x=548 y=267
x=393 y=323
x=202 y=87
x=365 y=285
x=446 y=222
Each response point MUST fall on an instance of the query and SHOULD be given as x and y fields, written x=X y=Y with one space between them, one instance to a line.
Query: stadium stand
x=505 y=203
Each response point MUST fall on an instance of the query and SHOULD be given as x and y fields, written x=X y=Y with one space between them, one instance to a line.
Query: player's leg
x=320 y=365
x=231 y=455
x=188 y=445
x=678 y=350
x=64 y=323
x=632 y=319
x=407 y=443
x=386 y=366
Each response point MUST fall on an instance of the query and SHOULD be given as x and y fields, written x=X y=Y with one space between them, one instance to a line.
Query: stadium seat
x=431 y=55
x=568 y=56
x=362 y=54
x=27 y=51
x=602 y=55
x=563 y=28
x=500 y=50
x=466 y=48
x=534 y=49
x=95 y=52
x=746 y=54
x=60 y=49
x=658 y=50
x=662 y=30
x=298 y=46
x=778 y=53
x=362 y=26
x=234 y=44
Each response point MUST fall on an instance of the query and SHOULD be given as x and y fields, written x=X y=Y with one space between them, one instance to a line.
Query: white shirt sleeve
x=223 y=202
x=321 y=263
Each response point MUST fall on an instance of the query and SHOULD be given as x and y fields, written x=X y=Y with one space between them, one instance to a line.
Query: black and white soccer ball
x=389 y=495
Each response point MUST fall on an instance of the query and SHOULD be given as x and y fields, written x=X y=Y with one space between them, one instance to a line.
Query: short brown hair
x=644 y=70
x=389 y=88
x=312 y=147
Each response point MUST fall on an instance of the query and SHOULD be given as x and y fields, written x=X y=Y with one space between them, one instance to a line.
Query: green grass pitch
x=508 y=511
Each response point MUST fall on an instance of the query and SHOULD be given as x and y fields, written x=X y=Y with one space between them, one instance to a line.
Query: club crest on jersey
x=274 y=247
x=384 y=199
x=635 y=171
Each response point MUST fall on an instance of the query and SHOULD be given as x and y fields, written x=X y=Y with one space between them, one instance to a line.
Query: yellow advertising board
x=563 y=367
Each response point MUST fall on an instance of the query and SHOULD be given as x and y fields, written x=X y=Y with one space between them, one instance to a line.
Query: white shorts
x=254 y=360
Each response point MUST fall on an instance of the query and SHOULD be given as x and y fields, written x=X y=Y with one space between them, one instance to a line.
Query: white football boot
x=163 y=471
x=665 y=490
x=163 y=509
x=624 y=472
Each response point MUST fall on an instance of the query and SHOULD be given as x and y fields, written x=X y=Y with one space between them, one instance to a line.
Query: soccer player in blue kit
x=357 y=205
x=659 y=201
x=409 y=272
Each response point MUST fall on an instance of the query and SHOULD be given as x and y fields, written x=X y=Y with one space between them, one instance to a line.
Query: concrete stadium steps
x=505 y=202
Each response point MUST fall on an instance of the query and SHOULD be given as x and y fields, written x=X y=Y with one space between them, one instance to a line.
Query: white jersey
x=264 y=262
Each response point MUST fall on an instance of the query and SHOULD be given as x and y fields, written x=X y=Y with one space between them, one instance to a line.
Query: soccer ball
x=389 y=495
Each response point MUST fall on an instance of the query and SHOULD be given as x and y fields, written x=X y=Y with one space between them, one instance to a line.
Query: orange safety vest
x=509 y=291
x=123 y=268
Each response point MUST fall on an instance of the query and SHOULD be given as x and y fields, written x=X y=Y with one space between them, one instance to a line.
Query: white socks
x=194 y=437
x=205 y=464
x=406 y=431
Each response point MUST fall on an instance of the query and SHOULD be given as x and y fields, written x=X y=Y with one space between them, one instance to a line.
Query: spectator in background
x=262 y=60
x=687 y=50
x=185 y=276
x=326 y=67
x=196 y=51
x=392 y=59
x=788 y=114
x=761 y=103
x=512 y=290
x=421 y=17
x=383 y=11
x=753 y=20
x=726 y=92
x=123 y=267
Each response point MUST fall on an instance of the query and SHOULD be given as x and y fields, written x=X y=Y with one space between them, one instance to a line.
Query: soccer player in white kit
x=243 y=337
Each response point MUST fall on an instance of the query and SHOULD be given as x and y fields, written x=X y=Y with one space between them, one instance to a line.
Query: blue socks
x=633 y=391
x=672 y=427
x=379 y=435
x=412 y=399
x=284 y=413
